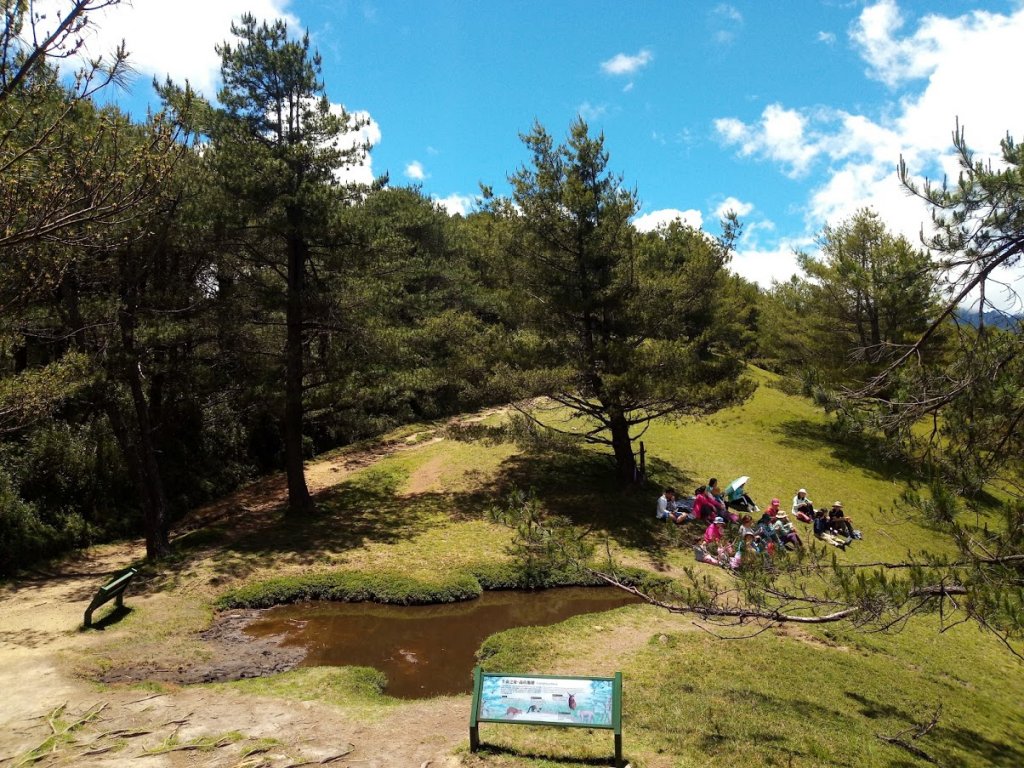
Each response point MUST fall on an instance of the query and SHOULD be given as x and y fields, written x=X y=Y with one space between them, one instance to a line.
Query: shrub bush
x=352 y=587
x=399 y=589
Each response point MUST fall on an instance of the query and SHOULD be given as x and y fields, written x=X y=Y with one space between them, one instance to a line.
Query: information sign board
x=580 y=702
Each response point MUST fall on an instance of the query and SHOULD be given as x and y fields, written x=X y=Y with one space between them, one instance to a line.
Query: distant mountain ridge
x=992 y=318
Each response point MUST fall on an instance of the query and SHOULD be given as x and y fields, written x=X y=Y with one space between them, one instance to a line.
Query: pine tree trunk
x=299 y=500
x=625 y=461
x=151 y=497
x=155 y=502
x=136 y=435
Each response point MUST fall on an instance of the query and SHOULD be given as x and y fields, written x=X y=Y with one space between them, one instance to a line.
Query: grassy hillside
x=788 y=697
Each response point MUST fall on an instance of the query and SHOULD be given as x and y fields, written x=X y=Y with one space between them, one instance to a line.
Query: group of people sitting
x=773 y=532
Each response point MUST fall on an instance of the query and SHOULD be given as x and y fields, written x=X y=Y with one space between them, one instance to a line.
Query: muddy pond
x=425 y=650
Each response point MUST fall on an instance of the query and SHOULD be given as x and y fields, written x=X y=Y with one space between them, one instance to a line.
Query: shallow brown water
x=425 y=650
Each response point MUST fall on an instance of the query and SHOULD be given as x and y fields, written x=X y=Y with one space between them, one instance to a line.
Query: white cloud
x=592 y=112
x=414 y=171
x=941 y=69
x=889 y=59
x=765 y=265
x=727 y=12
x=624 y=64
x=828 y=38
x=456 y=203
x=780 y=135
x=732 y=204
x=725 y=21
x=369 y=134
x=958 y=59
x=648 y=222
x=176 y=39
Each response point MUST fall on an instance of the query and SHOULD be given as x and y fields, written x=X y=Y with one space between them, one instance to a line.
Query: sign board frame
x=547 y=690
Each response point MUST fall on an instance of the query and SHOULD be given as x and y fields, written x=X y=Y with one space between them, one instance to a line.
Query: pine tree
x=279 y=145
x=621 y=328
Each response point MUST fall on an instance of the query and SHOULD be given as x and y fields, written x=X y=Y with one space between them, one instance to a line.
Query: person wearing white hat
x=803 y=507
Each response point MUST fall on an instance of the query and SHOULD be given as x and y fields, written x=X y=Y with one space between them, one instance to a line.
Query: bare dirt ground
x=53 y=711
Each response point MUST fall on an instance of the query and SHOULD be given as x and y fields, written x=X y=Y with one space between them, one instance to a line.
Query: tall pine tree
x=279 y=147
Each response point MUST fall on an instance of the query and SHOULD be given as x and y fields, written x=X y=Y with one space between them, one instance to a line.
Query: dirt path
x=49 y=715
x=76 y=723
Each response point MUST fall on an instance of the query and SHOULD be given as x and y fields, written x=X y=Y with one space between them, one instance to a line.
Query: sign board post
x=566 y=702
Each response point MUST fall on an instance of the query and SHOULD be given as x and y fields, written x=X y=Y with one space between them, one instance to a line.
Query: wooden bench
x=112 y=589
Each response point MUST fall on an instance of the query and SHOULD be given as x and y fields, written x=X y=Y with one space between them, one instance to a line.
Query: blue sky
x=792 y=117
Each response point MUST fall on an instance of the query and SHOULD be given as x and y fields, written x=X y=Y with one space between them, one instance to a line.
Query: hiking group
x=772 y=533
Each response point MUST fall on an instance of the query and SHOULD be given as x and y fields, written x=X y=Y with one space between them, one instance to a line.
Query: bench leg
x=120 y=600
x=88 y=617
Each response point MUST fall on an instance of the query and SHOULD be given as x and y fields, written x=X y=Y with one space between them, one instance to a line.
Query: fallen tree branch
x=199 y=745
x=916 y=751
x=738 y=613
x=915 y=733
x=325 y=761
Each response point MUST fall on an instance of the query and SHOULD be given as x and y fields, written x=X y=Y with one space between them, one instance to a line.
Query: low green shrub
x=399 y=589
x=512 y=575
x=351 y=587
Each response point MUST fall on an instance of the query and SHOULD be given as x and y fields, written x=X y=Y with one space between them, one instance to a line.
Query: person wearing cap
x=838 y=522
x=803 y=507
x=715 y=530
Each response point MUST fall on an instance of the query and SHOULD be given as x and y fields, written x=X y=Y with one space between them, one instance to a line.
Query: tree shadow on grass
x=367 y=508
x=767 y=741
x=359 y=511
x=581 y=485
x=963 y=739
x=814 y=437
x=778 y=739
x=348 y=516
x=946 y=739
x=875 y=709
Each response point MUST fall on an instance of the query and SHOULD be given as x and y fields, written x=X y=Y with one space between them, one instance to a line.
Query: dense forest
x=197 y=298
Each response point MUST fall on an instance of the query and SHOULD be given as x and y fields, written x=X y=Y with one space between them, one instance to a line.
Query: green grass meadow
x=808 y=696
